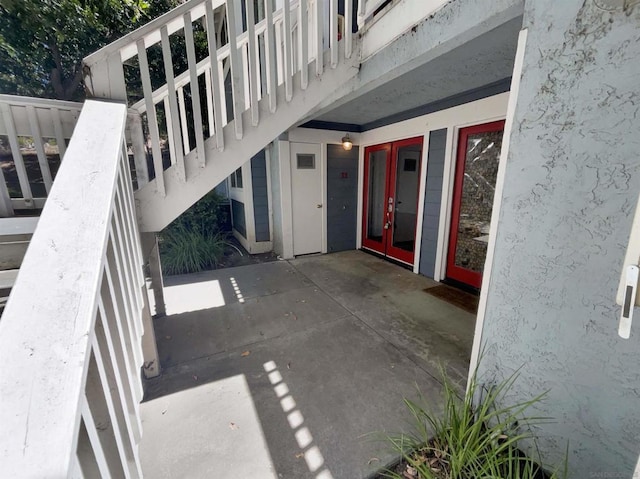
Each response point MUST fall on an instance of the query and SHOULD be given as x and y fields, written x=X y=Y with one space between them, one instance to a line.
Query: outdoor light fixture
x=347 y=144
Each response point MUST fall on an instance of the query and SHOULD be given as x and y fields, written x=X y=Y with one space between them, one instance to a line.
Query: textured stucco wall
x=572 y=182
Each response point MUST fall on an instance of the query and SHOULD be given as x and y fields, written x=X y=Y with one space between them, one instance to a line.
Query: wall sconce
x=347 y=144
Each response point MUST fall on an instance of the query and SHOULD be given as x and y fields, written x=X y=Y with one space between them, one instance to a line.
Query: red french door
x=475 y=181
x=391 y=186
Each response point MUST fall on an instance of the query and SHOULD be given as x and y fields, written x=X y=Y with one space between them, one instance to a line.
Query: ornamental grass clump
x=475 y=437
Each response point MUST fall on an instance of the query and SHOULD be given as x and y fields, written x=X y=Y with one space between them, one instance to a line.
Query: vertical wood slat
x=215 y=126
x=18 y=161
x=195 y=88
x=113 y=390
x=183 y=120
x=139 y=151
x=39 y=144
x=172 y=111
x=94 y=439
x=253 y=72
x=244 y=49
x=57 y=128
x=333 y=28
x=236 y=70
x=124 y=331
x=117 y=350
x=348 y=26
x=128 y=262
x=6 y=207
x=303 y=29
x=286 y=34
x=134 y=221
x=170 y=127
x=270 y=46
x=319 y=22
x=129 y=218
x=209 y=100
x=223 y=98
x=151 y=117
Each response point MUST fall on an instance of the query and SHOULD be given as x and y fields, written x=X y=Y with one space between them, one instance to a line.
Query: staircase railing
x=247 y=56
x=70 y=336
x=36 y=132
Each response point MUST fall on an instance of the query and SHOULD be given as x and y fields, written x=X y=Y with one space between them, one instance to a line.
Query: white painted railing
x=70 y=336
x=255 y=56
x=35 y=128
x=366 y=9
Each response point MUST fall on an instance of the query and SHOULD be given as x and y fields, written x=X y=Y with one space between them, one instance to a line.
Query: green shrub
x=185 y=251
x=471 y=439
x=196 y=240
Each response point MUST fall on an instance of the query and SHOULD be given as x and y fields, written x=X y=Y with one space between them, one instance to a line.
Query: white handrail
x=70 y=336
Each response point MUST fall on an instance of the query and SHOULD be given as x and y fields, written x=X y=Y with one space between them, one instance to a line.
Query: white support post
x=157 y=284
x=333 y=28
x=272 y=66
x=151 y=364
x=15 y=153
x=151 y=117
x=348 y=34
x=319 y=14
x=253 y=71
x=286 y=34
x=237 y=77
x=57 y=128
x=303 y=27
x=37 y=140
x=218 y=93
x=195 y=89
x=172 y=111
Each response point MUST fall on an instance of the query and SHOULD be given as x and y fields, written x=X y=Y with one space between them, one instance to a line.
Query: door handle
x=319 y=205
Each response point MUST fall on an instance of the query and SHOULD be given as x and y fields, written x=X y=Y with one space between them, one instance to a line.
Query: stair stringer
x=155 y=211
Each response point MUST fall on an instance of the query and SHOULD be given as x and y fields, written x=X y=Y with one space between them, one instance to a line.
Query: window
x=306 y=162
x=236 y=178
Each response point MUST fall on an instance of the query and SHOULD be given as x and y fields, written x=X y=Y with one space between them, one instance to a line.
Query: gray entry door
x=342 y=198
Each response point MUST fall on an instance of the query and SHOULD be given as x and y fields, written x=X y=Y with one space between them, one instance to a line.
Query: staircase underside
x=155 y=211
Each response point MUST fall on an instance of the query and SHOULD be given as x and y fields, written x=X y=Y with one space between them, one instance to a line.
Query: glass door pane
x=377 y=167
x=476 y=173
x=407 y=180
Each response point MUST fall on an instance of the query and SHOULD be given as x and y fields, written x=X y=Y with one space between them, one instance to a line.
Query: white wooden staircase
x=272 y=70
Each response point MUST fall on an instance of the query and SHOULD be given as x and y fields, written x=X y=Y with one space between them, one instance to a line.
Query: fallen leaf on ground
x=167 y=337
x=373 y=459
x=300 y=454
x=245 y=354
x=195 y=378
x=164 y=411
x=288 y=365
x=233 y=425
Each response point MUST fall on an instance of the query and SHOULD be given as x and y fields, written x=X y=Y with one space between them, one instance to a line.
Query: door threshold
x=461 y=286
x=397 y=262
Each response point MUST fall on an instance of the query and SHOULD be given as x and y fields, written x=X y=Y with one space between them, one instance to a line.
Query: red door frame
x=378 y=246
x=392 y=251
x=385 y=246
x=458 y=273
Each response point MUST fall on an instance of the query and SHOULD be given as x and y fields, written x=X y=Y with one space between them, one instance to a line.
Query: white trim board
x=497 y=203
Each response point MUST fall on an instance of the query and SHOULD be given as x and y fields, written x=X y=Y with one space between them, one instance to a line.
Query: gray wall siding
x=571 y=187
x=342 y=198
x=260 y=197
x=432 y=199
x=237 y=214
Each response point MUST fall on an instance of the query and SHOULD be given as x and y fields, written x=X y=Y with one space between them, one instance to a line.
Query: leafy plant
x=476 y=437
x=185 y=251
x=196 y=240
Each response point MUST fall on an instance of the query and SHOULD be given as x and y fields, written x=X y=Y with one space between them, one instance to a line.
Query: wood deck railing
x=70 y=336
x=251 y=55
x=36 y=131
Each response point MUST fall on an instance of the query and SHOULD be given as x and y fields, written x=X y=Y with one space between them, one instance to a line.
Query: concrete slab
x=327 y=346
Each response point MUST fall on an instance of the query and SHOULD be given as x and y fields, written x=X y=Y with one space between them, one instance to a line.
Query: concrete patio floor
x=295 y=369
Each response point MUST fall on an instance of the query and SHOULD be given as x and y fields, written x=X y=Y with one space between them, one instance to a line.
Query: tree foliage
x=42 y=42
